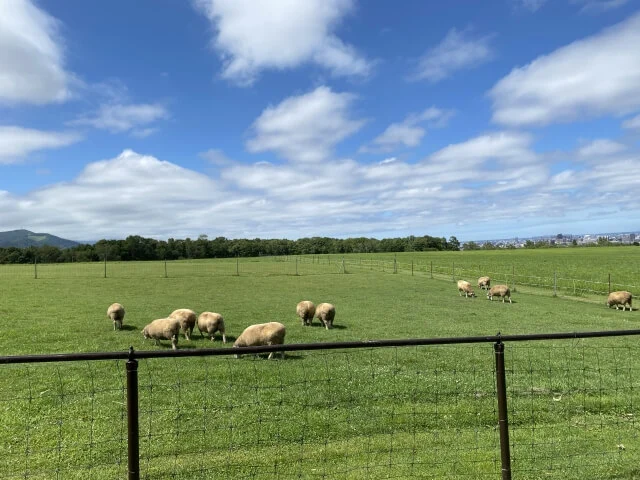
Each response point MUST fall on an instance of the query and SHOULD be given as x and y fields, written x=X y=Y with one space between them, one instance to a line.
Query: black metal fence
x=399 y=409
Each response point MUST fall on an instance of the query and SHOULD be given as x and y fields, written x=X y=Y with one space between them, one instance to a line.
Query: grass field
x=426 y=412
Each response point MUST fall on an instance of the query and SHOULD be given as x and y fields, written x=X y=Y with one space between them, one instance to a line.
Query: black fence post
x=501 y=392
x=133 y=434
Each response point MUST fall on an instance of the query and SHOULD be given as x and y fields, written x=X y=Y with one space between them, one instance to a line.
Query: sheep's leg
x=510 y=300
x=224 y=338
x=114 y=326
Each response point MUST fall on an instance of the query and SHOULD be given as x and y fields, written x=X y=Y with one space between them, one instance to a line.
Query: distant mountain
x=25 y=238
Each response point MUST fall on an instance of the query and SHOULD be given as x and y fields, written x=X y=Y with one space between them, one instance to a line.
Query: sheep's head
x=145 y=332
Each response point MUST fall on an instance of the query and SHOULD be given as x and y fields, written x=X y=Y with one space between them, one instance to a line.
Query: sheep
x=306 y=310
x=116 y=313
x=271 y=333
x=484 y=283
x=187 y=319
x=620 y=298
x=499 y=291
x=211 y=323
x=163 y=329
x=464 y=286
x=326 y=312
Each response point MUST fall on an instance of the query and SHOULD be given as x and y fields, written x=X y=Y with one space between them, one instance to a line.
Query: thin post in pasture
x=296 y=265
x=343 y=270
x=395 y=264
x=513 y=278
x=237 y=267
x=503 y=422
x=35 y=267
x=165 y=268
x=412 y=267
x=105 y=265
x=555 y=284
x=609 y=283
x=431 y=270
x=133 y=431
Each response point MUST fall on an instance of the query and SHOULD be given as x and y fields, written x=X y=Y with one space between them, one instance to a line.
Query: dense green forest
x=140 y=248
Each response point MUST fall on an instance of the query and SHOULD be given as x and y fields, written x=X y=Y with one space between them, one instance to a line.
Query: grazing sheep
x=484 y=283
x=306 y=310
x=499 y=291
x=271 y=333
x=163 y=329
x=464 y=286
x=116 y=313
x=620 y=298
x=326 y=312
x=187 y=319
x=211 y=323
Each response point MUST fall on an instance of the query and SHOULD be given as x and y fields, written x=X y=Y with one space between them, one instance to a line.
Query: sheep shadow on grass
x=129 y=327
x=334 y=327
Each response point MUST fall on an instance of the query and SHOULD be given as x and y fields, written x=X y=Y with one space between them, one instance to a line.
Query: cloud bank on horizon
x=320 y=118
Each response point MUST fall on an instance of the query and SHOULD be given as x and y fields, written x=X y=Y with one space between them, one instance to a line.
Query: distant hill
x=25 y=238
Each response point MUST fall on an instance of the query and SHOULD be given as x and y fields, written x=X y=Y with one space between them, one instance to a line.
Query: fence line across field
x=582 y=397
x=559 y=283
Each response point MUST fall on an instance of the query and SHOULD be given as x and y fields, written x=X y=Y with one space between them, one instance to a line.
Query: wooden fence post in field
x=343 y=270
x=395 y=264
x=555 y=284
x=237 y=267
x=165 y=268
x=412 y=267
x=431 y=269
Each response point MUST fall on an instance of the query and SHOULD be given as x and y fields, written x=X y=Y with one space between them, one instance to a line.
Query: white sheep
x=464 y=286
x=306 y=310
x=187 y=319
x=271 y=333
x=116 y=313
x=211 y=323
x=326 y=312
x=620 y=298
x=484 y=283
x=499 y=291
x=163 y=329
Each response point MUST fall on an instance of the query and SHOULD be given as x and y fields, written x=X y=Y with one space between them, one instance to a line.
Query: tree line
x=139 y=248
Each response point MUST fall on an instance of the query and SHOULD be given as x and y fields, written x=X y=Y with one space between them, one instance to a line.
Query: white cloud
x=408 y=132
x=305 y=128
x=457 y=51
x=16 y=143
x=296 y=32
x=118 y=118
x=215 y=156
x=598 y=6
x=600 y=147
x=599 y=75
x=31 y=56
x=483 y=178
x=632 y=123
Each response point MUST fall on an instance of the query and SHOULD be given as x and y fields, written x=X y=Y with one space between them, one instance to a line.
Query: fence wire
x=63 y=421
x=395 y=412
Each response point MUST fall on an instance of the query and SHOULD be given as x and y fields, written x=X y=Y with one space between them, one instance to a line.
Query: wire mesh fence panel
x=413 y=412
x=63 y=421
x=573 y=410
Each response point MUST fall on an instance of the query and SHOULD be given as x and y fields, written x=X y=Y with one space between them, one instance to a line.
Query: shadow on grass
x=129 y=327
x=336 y=327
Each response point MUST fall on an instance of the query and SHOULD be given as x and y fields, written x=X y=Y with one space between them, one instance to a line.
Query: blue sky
x=288 y=119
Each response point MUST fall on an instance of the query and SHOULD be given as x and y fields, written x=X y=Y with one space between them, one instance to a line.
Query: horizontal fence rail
x=369 y=409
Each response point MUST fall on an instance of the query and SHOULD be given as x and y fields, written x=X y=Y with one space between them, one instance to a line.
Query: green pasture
x=415 y=412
